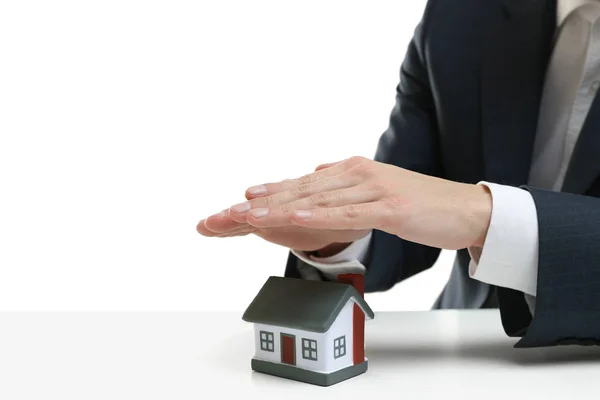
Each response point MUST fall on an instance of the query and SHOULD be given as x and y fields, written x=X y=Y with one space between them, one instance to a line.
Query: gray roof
x=302 y=304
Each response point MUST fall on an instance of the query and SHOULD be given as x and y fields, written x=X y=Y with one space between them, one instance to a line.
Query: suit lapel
x=512 y=80
x=585 y=160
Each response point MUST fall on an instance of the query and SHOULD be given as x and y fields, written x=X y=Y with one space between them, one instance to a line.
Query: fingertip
x=240 y=218
x=207 y=224
x=250 y=196
x=221 y=222
x=257 y=191
x=202 y=229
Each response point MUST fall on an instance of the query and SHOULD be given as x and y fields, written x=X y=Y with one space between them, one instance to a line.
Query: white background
x=123 y=123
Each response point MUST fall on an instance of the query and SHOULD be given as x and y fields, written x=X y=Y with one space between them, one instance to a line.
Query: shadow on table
x=493 y=351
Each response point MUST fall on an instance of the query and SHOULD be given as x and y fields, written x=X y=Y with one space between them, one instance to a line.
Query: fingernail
x=260 y=189
x=259 y=212
x=242 y=207
x=304 y=214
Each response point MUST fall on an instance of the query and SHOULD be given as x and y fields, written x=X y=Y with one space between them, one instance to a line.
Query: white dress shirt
x=509 y=257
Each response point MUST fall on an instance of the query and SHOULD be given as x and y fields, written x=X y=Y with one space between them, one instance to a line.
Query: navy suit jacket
x=466 y=110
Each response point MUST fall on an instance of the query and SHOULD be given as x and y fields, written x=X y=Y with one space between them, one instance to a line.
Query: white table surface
x=412 y=355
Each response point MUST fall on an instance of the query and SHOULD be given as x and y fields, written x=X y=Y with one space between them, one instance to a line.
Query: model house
x=308 y=330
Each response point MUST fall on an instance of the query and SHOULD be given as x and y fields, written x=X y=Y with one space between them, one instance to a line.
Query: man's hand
x=229 y=223
x=343 y=201
x=328 y=242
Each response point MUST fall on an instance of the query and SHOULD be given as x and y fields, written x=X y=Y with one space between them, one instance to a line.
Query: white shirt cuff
x=358 y=250
x=510 y=253
x=348 y=261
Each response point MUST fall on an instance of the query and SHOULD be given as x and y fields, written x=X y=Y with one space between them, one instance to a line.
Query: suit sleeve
x=410 y=142
x=567 y=309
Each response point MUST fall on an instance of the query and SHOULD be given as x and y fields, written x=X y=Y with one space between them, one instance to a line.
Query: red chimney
x=358 y=319
x=356 y=280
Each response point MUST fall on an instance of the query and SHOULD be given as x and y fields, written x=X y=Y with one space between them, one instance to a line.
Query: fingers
x=354 y=216
x=315 y=188
x=348 y=199
x=272 y=216
x=203 y=230
x=322 y=188
x=270 y=188
x=218 y=223
x=327 y=171
x=242 y=231
x=315 y=191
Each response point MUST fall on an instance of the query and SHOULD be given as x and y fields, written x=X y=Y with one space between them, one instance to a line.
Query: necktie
x=571 y=82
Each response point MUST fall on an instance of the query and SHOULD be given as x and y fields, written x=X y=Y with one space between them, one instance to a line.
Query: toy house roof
x=302 y=304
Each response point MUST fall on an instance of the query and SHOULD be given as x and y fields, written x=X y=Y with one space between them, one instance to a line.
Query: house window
x=339 y=347
x=267 y=341
x=309 y=349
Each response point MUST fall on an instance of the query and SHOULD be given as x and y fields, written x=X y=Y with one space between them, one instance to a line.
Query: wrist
x=479 y=206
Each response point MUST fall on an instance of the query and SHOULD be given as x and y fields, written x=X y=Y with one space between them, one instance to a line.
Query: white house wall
x=275 y=356
x=343 y=326
x=326 y=362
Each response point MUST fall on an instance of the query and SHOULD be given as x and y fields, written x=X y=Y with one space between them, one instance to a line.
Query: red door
x=288 y=344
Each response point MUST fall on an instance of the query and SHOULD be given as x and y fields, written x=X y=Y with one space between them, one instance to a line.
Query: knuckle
x=302 y=190
x=362 y=170
x=284 y=208
x=329 y=214
x=356 y=160
x=321 y=199
x=351 y=212
x=377 y=187
x=306 y=179
x=268 y=201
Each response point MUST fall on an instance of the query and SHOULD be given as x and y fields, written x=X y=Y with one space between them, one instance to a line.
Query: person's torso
x=486 y=63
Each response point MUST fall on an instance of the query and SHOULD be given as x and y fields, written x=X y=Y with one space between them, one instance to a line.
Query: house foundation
x=304 y=375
